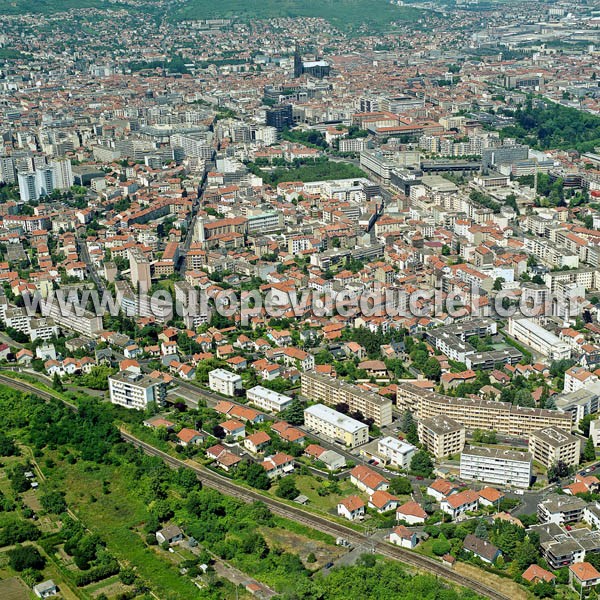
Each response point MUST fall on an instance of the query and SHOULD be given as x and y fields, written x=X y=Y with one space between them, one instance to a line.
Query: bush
x=26 y=557
x=96 y=574
x=441 y=546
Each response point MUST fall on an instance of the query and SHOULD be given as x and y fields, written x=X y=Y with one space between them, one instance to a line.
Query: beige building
x=550 y=445
x=327 y=390
x=335 y=425
x=139 y=265
x=441 y=436
x=475 y=413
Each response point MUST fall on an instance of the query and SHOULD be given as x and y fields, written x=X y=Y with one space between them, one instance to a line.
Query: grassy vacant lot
x=115 y=516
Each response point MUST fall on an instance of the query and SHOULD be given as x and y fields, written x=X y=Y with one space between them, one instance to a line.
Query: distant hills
x=344 y=14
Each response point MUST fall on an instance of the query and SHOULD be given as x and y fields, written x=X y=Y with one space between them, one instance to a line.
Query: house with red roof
x=235 y=429
x=535 y=574
x=188 y=437
x=257 y=441
x=411 y=512
x=278 y=465
x=382 y=501
x=367 y=480
x=458 y=504
x=351 y=508
x=490 y=496
x=583 y=574
x=403 y=537
x=440 y=489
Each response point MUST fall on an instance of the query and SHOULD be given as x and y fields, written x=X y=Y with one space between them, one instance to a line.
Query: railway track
x=297 y=514
x=229 y=488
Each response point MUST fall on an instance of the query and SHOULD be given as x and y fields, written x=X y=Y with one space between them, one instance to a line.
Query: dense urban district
x=299 y=300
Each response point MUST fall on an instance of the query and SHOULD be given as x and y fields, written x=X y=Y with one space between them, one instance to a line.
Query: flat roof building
x=323 y=388
x=335 y=425
x=134 y=390
x=551 y=445
x=442 y=436
x=496 y=466
x=268 y=399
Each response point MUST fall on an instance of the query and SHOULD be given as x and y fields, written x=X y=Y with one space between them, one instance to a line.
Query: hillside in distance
x=341 y=13
x=344 y=14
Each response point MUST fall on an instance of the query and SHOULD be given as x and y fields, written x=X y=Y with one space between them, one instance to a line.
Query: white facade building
x=496 y=466
x=267 y=399
x=224 y=382
x=396 y=452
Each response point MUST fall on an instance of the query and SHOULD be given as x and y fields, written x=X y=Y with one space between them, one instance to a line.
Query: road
x=85 y=257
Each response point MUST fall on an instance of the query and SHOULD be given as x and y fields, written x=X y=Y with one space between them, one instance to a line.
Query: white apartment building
x=539 y=339
x=224 y=382
x=134 y=390
x=335 y=425
x=441 y=436
x=396 y=452
x=550 y=445
x=496 y=466
x=267 y=399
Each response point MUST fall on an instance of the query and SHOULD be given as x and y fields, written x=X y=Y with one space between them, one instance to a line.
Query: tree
x=53 y=502
x=584 y=424
x=7 y=446
x=432 y=369
x=257 y=477
x=294 y=413
x=526 y=554
x=481 y=531
x=25 y=557
x=287 y=488
x=421 y=464
x=498 y=284
x=441 y=546
x=57 y=383
x=558 y=471
x=589 y=450
x=400 y=486
x=412 y=435
x=127 y=576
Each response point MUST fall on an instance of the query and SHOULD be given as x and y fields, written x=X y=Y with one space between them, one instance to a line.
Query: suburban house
x=535 y=574
x=404 y=537
x=367 y=480
x=489 y=496
x=458 y=504
x=278 y=465
x=383 y=501
x=351 y=508
x=440 y=489
x=170 y=534
x=411 y=512
x=257 y=441
x=235 y=429
x=485 y=550
x=583 y=574
x=188 y=436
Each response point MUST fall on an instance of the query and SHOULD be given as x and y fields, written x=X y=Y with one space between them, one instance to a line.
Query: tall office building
x=63 y=173
x=139 y=267
x=27 y=186
x=8 y=172
x=280 y=117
